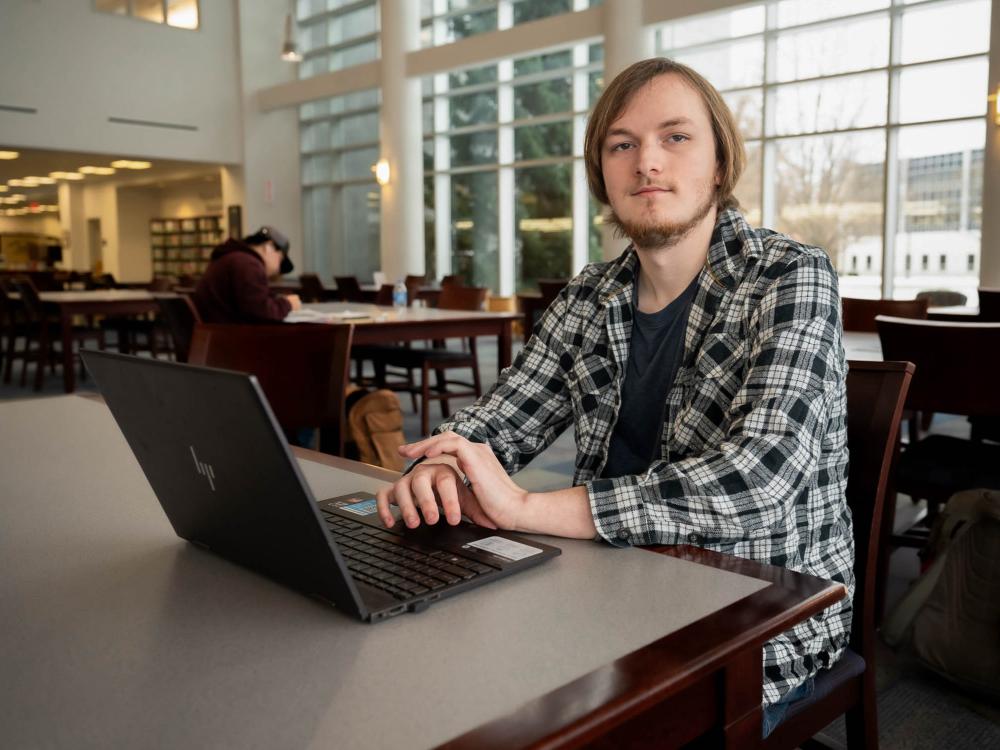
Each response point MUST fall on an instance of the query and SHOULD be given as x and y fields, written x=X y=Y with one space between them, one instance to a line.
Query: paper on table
x=317 y=316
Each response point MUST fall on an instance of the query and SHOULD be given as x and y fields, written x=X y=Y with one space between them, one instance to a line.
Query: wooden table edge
x=577 y=713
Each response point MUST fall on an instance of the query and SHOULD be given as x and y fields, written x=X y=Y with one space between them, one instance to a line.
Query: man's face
x=272 y=258
x=659 y=163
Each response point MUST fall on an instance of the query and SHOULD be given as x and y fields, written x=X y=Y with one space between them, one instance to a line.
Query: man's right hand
x=294 y=300
x=431 y=490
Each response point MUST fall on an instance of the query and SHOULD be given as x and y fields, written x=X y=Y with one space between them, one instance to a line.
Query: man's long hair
x=730 y=153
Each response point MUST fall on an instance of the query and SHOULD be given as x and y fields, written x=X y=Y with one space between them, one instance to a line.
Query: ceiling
x=40 y=163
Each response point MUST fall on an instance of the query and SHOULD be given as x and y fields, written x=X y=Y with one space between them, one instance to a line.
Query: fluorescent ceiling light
x=130 y=164
x=66 y=175
x=96 y=170
x=9 y=154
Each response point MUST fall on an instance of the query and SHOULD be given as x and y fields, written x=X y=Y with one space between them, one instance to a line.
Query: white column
x=73 y=223
x=626 y=41
x=989 y=272
x=402 y=222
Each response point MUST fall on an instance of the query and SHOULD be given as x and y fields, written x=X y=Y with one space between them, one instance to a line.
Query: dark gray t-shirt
x=653 y=360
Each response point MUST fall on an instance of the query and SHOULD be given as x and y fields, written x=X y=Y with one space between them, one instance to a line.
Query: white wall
x=136 y=206
x=78 y=67
x=101 y=202
x=272 y=187
x=40 y=224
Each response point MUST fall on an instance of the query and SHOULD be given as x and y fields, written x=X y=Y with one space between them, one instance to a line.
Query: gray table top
x=115 y=633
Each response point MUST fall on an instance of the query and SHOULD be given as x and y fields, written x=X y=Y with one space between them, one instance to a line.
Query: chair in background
x=384 y=295
x=42 y=333
x=940 y=298
x=312 y=289
x=859 y=314
x=437 y=358
x=180 y=316
x=452 y=279
x=957 y=366
x=302 y=370
x=348 y=288
x=989 y=306
x=13 y=327
x=875 y=395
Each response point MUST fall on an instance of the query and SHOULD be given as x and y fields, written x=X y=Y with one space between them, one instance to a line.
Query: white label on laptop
x=506 y=548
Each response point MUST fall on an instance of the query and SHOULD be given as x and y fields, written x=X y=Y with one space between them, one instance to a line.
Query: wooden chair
x=384 y=295
x=875 y=395
x=348 y=288
x=12 y=326
x=859 y=314
x=437 y=358
x=989 y=306
x=44 y=332
x=941 y=298
x=313 y=290
x=180 y=316
x=452 y=279
x=302 y=370
x=957 y=366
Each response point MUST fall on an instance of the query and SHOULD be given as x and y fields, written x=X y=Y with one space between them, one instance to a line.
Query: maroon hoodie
x=234 y=288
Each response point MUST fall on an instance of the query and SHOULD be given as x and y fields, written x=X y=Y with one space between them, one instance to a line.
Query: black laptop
x=223 y=472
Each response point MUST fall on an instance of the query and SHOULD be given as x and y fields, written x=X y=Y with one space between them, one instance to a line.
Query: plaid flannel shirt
x=753 y=452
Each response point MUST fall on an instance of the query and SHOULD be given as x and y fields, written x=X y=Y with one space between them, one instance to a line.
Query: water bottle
x=399 y=295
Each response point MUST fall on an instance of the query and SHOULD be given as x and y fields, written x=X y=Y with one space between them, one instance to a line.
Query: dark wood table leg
x=742 y=694
x=69 y=376
x=504 y=345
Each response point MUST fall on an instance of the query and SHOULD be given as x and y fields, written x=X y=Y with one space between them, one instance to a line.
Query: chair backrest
x=989 y=305
x=31 y=303
x=941 y=298
x=302 y=369
x=859 y=314
x=876 y=392
x=161 y=284
x=452 y=279
x=384 y=295
x=348 y=288
x=413 y=284
x=463 y=297
x=180 y=316
x=958 y=364
x=550 y=288
x=312 y=288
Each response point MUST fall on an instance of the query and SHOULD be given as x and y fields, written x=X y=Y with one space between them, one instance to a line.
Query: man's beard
x=648 y=235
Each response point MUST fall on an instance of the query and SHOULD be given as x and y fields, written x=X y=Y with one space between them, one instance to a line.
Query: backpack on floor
x=375 y=425
x=951 y=614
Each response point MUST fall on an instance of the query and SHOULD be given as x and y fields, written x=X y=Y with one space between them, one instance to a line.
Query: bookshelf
x=183 y=245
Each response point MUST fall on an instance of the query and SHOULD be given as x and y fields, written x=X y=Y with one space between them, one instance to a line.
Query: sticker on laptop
x=506 y=548
x=364 y=508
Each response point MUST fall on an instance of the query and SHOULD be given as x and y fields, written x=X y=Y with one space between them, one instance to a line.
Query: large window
x=336 y=34
x=503 y=158
x=340 y=198
x=837 y=119
x=182 y=14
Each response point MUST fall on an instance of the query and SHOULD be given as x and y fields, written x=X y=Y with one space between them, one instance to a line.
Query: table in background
x=386 y=324
x=115 y=631
x=98 y=302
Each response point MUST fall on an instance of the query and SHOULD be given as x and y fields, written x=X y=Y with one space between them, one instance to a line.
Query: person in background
x=234 y=288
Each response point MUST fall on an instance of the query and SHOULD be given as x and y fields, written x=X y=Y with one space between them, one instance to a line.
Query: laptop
x=221 y=467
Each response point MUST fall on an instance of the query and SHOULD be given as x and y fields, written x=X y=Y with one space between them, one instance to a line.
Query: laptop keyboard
x=387 y=562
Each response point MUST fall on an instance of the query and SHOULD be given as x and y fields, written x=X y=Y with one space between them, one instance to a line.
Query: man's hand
x=492 y=499
x=294 y=300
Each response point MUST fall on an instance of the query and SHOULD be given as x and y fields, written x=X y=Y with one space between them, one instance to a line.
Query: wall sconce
x=289 y=50
x=995 y=98
x=381 y=170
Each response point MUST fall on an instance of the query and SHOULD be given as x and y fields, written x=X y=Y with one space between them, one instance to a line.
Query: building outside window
x=812 y=85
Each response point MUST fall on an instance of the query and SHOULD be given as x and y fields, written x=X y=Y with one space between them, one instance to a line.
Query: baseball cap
x=280 y=241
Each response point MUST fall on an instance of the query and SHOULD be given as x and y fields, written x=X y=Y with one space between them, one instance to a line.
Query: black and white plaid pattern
x=753 y=454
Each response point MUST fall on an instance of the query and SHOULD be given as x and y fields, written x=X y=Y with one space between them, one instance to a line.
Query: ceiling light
x=44 y=180
x=381 y=170
x=289 y=50
x=96 y=170
x=4 y=188
x=18 y=183
x=66 y=175
x=9 y=154
x=130 y=164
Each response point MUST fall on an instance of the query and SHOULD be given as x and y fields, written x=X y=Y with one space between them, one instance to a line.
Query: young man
x=703 y=371
x=234 y=288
